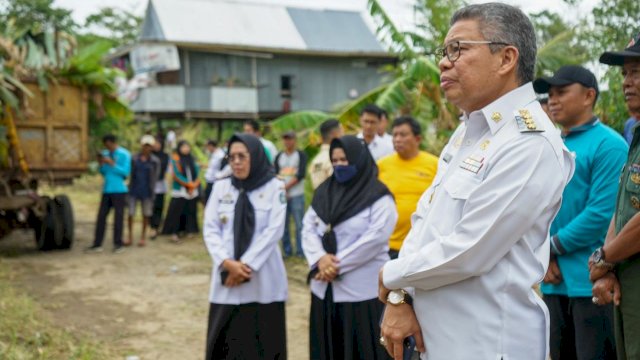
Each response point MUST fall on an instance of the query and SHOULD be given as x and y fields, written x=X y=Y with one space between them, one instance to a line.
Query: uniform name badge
x=473 y=163
x=634 y=175
x=226 y=199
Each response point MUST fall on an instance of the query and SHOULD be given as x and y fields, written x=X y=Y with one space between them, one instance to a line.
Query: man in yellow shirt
x=408 y=173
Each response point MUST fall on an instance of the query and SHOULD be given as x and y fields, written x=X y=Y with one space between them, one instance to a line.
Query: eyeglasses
x=240 y=157
x=452 y=49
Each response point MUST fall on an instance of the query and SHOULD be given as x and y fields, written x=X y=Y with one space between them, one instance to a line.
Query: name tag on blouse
x=227 y=199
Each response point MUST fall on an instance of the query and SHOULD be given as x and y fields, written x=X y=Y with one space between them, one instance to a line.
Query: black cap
x=566 y=75
x=617 y=57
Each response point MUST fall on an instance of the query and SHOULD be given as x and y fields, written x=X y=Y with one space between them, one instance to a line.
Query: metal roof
x=259 y=26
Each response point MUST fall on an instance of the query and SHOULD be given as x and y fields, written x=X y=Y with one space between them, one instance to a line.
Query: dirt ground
x=151 y=302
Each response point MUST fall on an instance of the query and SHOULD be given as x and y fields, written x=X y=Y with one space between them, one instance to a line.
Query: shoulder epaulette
x=526 y=122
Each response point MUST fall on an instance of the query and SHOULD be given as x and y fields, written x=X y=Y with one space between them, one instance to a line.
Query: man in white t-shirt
x=382 y=128
x=370 y=122
x=253 y=127
x=291 y=166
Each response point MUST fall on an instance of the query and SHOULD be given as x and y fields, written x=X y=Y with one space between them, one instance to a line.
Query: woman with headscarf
x=183 y=208
x=345 y=240
x=243 y=223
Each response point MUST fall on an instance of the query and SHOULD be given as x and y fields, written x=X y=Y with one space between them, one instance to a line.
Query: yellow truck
x=47 y=140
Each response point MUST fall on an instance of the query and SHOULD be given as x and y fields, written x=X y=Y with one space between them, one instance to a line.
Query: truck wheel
x=48 y=234
x=65 y=221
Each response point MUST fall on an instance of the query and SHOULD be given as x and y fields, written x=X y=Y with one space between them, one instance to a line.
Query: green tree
x=121 y=26
x=38 y=15
x=555 y=37
x=615 y=22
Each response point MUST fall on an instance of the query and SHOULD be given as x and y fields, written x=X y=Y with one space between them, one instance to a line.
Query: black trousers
x=158 y=207
x=580 y=329
x=108 y=201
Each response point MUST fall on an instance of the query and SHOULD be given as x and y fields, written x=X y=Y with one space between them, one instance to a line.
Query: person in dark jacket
x=160 y=187
x=145 y=168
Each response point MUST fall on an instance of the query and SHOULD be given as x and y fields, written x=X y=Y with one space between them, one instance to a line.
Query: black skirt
x=158 y=208
x=247 y=331
x=345 y=331
x=182 y=217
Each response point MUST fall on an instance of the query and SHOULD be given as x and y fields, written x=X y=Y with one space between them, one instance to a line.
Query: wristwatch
x=599 y=261
x=397 y=297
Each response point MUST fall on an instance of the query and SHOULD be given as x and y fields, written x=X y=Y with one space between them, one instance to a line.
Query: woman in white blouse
x=244 y=221
x=345 y=240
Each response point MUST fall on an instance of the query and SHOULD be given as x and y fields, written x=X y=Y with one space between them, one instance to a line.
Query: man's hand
x=107 y=160
x=383 y=292
x=606 y=289
x=238 y=272
x=328 y=268
x=400 y=322
x=553 y=275
x=596 y=272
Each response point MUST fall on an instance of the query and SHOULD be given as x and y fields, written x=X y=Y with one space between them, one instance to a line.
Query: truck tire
x=65 y=221
x=49 y=234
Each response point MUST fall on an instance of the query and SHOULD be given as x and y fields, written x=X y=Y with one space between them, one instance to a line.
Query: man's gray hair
x=507 y=24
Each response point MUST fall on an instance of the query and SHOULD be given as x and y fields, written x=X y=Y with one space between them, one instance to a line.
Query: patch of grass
x=26 y=334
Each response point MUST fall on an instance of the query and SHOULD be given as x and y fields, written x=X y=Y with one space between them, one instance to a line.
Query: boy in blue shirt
x=580 y=329
x=115 y=166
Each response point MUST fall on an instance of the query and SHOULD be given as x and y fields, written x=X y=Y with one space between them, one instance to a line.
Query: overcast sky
x=400 y=10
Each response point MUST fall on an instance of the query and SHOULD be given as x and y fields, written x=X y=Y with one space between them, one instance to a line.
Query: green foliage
x=432 y=20
x=555 y=36
x=123 y=26
x=615 y=22
x=39 y=15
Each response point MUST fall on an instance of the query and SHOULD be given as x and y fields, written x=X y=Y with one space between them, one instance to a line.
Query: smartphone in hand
x=409 y=348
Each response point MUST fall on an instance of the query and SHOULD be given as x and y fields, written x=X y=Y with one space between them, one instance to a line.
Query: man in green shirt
x=615 y=267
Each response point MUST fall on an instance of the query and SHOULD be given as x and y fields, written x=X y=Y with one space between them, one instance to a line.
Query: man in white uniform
x=462 y=285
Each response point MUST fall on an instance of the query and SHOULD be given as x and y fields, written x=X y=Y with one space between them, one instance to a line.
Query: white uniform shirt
x=363 y=245
x=269 y=279
x=379 y=147
x=479 y=237
x=387 y=139
x=213 y=168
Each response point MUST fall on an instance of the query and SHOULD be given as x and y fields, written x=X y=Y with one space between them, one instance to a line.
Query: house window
x=286 y=84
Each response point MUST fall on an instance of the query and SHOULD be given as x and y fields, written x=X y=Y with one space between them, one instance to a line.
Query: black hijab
x=164 y=159
x=186 y=161
x=336 y=202
x=260 y=173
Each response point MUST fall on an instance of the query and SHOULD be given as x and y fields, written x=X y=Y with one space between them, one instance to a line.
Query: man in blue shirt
x=115 y=166
x=580 y=329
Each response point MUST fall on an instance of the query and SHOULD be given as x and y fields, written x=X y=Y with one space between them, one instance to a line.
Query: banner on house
x=155 y=58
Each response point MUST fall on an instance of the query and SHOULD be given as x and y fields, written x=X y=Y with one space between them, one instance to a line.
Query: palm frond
x=388 y=31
